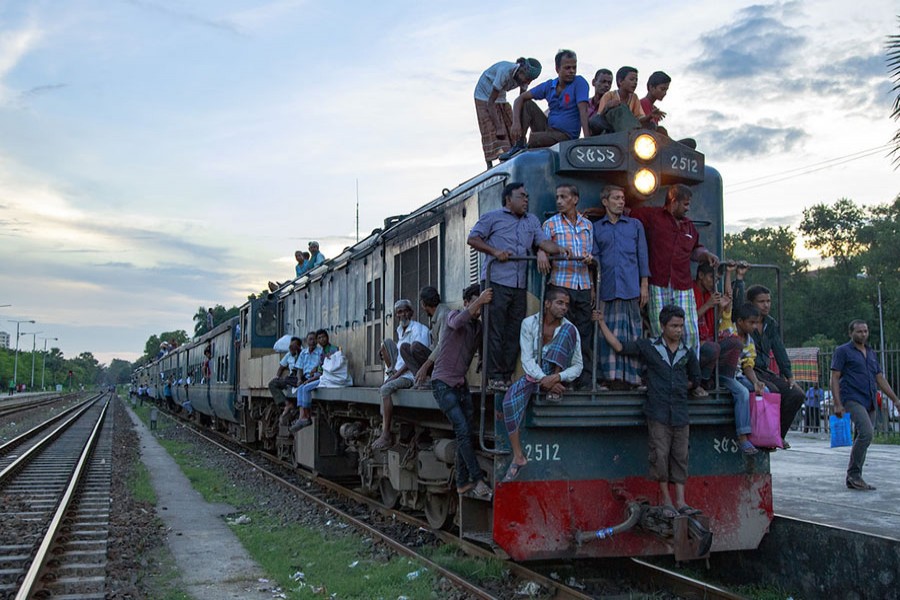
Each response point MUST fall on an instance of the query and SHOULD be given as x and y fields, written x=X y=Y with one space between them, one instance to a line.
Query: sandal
x=482 y=491
x=381 y=444
x=668 y=511
x=498 y=385
x=688 y=511
x=748 y=448
x=300 y=424
x=552 y=398
x=466 y=488
x=513 y=471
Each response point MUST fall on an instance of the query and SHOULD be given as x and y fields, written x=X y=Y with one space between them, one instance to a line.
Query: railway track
x=550 y=586
x=54 y=486
x=17 y=405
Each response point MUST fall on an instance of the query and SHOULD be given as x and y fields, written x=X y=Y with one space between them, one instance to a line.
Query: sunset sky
x=156 y=155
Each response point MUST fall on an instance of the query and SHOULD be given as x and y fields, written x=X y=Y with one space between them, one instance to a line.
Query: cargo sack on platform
x=283 y=344
x=840 y=431
x=765 y=420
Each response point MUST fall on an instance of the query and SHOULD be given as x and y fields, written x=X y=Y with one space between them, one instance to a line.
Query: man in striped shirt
x=572 y=231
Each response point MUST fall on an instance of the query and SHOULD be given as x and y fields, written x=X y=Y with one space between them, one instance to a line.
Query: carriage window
x=267 y=319
x=414 y=269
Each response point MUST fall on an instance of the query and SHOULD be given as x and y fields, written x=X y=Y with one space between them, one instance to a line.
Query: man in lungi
x=493 y=111
x=551 y=357
x=673 y=242
x=620 y=248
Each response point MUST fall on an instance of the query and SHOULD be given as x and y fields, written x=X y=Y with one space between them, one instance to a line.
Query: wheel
x=437 y=509
x=389 y=496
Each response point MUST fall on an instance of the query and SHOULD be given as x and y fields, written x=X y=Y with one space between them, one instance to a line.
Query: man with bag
x=855 y=378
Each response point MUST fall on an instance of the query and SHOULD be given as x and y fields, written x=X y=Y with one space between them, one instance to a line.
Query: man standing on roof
x=493 y=111
x=500 y=234
x=567 y=96
x=856 y=377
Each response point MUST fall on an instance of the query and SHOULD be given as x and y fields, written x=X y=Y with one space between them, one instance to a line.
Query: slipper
x=668 y=511
x=513 y=471
x=553 y=398
x=687 y=511
x=748 y=448
x=300 y=424
x=381 y=444
x=498 y=385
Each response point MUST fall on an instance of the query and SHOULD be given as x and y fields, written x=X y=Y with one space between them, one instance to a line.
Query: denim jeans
x=456 y=403
x=862 y=420
x=741 y=404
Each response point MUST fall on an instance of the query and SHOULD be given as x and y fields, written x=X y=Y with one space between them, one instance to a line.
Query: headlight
x=645 y=146
x=645 y=181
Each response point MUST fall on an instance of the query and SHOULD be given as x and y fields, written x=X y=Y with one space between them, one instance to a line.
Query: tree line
x=860 y=245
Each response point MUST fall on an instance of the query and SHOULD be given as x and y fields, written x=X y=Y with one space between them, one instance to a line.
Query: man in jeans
x=855 y=378
x=461 y=338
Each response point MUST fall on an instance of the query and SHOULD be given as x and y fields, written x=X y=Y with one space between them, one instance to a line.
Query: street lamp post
x=44 y=361
x=16 y=362
x=33 y=350
x=881 y=328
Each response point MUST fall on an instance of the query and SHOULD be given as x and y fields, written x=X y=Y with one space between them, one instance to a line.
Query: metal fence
x=887 y=420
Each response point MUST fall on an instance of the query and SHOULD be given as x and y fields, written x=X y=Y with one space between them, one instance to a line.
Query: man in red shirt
x=673 y=242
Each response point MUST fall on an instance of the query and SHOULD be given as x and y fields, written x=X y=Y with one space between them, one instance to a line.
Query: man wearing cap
x=493 y=111
x=409 y=331
x=315 y=257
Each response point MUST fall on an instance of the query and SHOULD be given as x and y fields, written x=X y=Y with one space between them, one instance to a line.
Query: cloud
x=185 y=16
x=763 y=222
x=14 y=46
x=749 y=140
x=756 y=42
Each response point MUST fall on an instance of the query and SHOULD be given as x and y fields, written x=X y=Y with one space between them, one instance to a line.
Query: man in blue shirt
x=855 y=378
x=567 y=96
x=620 y=249
x=500 y=234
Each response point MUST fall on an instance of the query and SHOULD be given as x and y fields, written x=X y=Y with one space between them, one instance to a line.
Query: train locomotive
x=585 y=492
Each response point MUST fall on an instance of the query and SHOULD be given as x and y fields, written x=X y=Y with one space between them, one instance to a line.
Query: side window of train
x=415 y=268
x=373 y=319
x=267 y=319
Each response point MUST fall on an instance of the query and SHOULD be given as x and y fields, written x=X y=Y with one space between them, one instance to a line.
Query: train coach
x=585 y=492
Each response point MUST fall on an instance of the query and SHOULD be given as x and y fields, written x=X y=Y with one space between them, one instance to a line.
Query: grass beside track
x=331 y=560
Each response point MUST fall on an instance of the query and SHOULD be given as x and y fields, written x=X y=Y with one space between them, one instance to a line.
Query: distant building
x=4 y=339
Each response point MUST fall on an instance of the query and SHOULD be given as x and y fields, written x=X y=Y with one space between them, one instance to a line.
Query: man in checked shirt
x=574 y=232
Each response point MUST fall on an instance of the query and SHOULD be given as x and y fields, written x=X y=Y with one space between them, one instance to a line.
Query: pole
x=33 y=348
x=44 y=361
x=881 y=328
x=357 y=210
x=16 y=362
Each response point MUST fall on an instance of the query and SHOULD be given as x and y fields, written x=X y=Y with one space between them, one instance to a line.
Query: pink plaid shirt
x=578 y=237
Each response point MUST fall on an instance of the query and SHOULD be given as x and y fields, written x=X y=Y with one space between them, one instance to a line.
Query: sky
x=160 y=155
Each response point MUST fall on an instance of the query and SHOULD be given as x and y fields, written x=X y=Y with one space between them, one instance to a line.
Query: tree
x=835 y=231
x=151 y=348
x=220 y=315
x=893 y=64
x=119 y=371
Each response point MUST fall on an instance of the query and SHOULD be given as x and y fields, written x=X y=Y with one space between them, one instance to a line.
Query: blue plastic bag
x=840 y=431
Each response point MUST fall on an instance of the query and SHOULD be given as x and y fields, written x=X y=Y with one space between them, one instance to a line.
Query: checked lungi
x=684 y=299
x=558 y=353
x=623 y=317
x=492 y=145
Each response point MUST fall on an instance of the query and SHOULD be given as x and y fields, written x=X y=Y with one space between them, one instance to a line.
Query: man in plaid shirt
x=572 y=231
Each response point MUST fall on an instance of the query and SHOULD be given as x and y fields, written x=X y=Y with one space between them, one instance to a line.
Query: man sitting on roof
x=567 y=96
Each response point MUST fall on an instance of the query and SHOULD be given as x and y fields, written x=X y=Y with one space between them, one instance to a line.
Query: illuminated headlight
x=645 y=181
x=645 y=146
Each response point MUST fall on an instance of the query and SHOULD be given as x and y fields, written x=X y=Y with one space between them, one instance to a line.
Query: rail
x=30 y=581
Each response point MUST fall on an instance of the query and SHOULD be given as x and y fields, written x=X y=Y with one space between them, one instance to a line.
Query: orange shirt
x=633 y=103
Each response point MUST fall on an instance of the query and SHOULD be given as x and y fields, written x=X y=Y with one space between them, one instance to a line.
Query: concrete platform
x=808 y=484
x=213 y=563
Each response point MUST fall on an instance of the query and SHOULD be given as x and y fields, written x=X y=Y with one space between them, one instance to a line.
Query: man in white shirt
x=409 y=332
x=551 y=357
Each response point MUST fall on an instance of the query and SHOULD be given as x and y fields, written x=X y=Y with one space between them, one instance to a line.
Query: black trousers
x=791 y=397
x=580 y=315
x=505 y=315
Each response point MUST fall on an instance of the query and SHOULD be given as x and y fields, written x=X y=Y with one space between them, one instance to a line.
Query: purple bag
x=765 y=420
